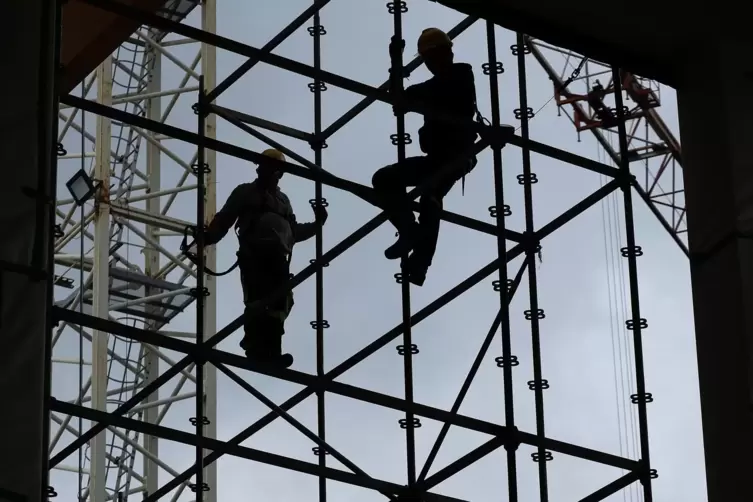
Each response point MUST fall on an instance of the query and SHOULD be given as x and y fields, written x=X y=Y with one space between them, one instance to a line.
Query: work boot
x=272 y=350
x=417 y=277
x=416 y=270
x=403 y=245
x=281 y=361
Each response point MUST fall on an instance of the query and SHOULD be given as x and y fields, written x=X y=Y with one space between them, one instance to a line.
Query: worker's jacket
x=453 y=93
x=263 y=219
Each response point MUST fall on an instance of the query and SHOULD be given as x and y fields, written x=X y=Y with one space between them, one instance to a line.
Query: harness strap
x=184 y=248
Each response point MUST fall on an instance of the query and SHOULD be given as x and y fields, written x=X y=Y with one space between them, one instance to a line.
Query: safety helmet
x=432 y=38
x=275 y=154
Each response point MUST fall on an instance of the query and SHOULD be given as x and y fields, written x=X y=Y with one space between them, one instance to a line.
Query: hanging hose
x=185 y=247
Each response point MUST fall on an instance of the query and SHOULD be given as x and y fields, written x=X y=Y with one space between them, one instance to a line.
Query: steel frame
x=650 y=140
x=202 y=353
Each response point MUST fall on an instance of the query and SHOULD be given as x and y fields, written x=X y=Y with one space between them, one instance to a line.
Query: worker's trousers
x=390 y=184
x=264 y=271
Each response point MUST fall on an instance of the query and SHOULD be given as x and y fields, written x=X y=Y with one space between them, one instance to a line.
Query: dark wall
x=26 y=63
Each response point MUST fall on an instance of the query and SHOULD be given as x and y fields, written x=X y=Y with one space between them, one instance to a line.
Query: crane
x=584 y=91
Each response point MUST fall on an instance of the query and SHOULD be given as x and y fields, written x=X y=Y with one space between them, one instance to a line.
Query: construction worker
x=267 y=230
x=450 y=91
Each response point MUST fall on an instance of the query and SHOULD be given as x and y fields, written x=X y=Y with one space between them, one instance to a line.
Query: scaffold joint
x=195 y=421
x=628 y=252
x=494 y=211
x=496 y=67
x=318 y=144
x=503 y=362
x=630 y=324
x=398 y=139
x=323 y=324
x=196 y=488
x=516 y=49
x=512 y=443
x=529 y=314
x=497 y=285
x=529 y=113
x=528 y=179
x=644 y=398
x=415 y=423
x=204 y=168
x=393 y=6
x=413 y=349
x=195 y=292
x=316 y=31
x=540 y=384
x=318 y=202
x=317 y=86
x=546 y=457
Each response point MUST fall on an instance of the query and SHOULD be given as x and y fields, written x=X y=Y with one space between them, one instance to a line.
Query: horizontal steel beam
x=216 y=445
x=362 y=191
x=315 y=383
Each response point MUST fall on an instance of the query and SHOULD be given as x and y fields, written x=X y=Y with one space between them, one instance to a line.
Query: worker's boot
x=276 y=357
x=416 y=269
x=404 y=244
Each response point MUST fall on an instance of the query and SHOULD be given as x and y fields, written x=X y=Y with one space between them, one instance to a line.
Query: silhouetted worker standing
x=450 y=91
x=267 y=230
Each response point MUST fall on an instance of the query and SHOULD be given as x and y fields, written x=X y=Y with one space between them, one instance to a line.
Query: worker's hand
x=400 y=106
x=193 y=249
x=320 y=212
x=397 y=46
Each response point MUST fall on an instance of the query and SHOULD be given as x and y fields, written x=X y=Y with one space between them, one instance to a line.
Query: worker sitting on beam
x=267 y=229
x=451 y=90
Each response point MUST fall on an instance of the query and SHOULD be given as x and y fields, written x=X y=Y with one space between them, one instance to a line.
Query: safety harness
x=185 y=249
x=191 y=231
x=481 y=120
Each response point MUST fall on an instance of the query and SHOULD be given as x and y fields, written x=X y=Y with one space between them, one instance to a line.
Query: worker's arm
x=225 y=217
x=304 y=231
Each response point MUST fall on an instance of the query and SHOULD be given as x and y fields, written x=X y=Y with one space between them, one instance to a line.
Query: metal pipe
x=635 y=323
x=322 y=450
x=508 y=360
x=534 y=314
x=397 y=44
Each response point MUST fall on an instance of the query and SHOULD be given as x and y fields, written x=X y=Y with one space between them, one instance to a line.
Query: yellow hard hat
x=275 y=154
x=432 y=38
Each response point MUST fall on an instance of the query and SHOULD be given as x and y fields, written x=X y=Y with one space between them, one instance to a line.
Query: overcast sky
x=583 y=336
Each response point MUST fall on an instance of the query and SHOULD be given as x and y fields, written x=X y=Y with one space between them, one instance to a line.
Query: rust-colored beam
x=90 y=34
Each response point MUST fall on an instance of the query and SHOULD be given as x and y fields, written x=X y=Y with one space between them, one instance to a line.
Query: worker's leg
x=251 y=273
x=277 y=276
x=431 y=211
x=390 y=184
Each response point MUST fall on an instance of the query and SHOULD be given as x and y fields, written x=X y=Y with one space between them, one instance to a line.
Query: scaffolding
x=150 y=297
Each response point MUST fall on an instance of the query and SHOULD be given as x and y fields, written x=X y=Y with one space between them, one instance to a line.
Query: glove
x=320 y=212
x=193 y=249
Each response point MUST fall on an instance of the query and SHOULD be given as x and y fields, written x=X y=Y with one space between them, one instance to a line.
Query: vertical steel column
x=500 y=210
x=534 y=314
x=209 y=73
x=199 y=420
x=407 y=349
x=636 y=323
x=47 y=168
x=152 y=264
x=101 y=287
x=316 y=31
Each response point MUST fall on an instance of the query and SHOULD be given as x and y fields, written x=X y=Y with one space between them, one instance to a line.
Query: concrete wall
x=25 y=159
x=716 y=122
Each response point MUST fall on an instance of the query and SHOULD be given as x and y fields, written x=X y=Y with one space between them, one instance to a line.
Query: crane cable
x=621 y=357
